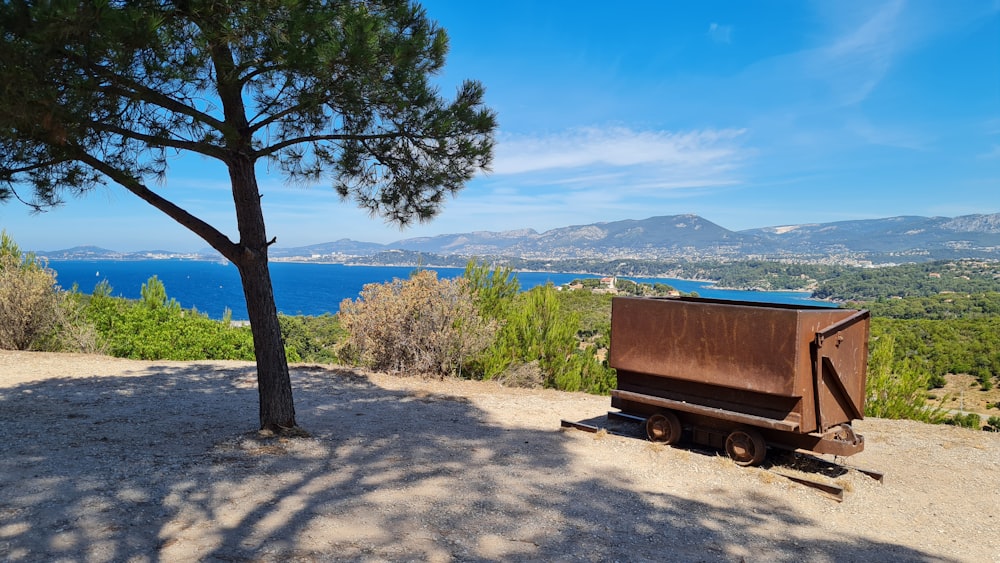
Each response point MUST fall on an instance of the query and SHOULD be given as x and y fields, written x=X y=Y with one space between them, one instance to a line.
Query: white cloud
x=993 y=153
x=692 y=152
x=992 y=126
x=889 y=136
x=857 y=60
x=720 y=33
x=591 y=174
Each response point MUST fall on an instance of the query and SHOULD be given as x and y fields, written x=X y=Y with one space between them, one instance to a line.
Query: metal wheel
x=746 y=446
x=664 y=427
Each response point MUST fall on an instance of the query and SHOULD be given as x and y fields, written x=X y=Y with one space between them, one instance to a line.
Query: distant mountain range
x=889 y=240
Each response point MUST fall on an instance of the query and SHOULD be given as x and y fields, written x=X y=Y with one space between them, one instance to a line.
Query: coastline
x=312 y=288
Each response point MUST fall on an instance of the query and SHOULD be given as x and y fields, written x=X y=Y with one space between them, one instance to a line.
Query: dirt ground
x=963 y=394
x=115 y=460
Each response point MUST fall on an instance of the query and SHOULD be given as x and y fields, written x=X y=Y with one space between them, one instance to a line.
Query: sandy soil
x=115 y=460
x=962 y=393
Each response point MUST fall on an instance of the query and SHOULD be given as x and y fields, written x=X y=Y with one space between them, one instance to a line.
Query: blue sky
x=749 y=114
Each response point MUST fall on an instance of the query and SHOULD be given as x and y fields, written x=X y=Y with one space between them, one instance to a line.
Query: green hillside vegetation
x=929 y=279
x=839 y=283
x=942 y=347
x=937 y=307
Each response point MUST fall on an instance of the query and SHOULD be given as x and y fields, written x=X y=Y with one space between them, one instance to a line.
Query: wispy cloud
x=720 y=33
x=860 y=56
x=889 y=136
x=992 y=126
x=596 y=174
x=993 y=153
x=676 y=155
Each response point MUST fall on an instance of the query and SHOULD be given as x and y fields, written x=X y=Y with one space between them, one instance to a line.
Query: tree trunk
x=274 y=386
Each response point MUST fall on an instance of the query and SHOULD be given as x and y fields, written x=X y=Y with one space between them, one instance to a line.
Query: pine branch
x=210 y=234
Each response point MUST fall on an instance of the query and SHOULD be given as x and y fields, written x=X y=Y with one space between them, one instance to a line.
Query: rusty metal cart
x=741 y=376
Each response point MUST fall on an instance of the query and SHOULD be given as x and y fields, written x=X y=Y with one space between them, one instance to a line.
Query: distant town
x=871 y=242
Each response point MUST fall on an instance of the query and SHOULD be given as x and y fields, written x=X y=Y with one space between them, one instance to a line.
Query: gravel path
x=115 y=460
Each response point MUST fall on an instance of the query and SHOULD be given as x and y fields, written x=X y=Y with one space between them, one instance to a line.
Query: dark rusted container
x=741 y=376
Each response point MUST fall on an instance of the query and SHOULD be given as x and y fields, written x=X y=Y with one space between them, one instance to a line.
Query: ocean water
x=307 y=288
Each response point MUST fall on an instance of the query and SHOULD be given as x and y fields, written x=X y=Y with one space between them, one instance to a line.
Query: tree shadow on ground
x=153 y=467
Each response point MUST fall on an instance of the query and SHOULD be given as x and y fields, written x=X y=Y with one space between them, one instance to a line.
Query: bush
x=154 y=296
x=30 y=302
x=157 y=328
x=77 y=333
x=994 y=424
x=533 y=331
x=478 y=326
x=985 y=378
x=538 y=330
x=493 y=289
x=421 y=325
x=936 y=381
x=312 y=339
x=967 y=420
x=896 y=389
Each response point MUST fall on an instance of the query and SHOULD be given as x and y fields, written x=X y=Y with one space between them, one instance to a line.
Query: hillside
x=689 y=237
x=896 y=239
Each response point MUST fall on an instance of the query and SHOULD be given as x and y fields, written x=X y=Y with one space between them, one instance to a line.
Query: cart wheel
x=664 y=427
x=746 y=446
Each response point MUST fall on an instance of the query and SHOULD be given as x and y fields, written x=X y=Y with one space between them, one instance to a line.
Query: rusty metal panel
x=733 y=344
x=841 y=369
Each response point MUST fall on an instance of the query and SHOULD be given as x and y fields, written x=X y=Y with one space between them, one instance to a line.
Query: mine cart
x=741 y=376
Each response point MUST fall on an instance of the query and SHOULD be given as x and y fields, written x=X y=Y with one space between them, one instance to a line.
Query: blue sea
x=308 y=288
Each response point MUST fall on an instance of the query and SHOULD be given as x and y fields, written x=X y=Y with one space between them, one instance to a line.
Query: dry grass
x=768 y=478
x=846 y=484
x=655 y=447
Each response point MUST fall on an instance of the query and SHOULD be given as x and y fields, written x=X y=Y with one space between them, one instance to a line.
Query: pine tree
x=336 y=92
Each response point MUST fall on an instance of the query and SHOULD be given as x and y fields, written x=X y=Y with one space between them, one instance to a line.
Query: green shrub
x=156 y=328
x=547 y=337
x=896 y=389
x=936 y=381
x=312 y=339
x=533 y=331
x=493 y=289
x=538 y=330
x=966 y=420
x=985 y=378
x=994 y=424
x=154 y=296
